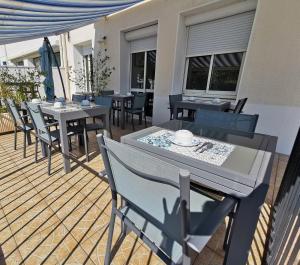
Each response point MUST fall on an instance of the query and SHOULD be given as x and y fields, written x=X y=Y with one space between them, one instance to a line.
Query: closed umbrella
x=46 y=68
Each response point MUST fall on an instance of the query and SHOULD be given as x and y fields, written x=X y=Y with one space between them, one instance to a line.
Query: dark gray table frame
x=250 y=193
x=199 y=104
x=122 y=99
x=64 y=116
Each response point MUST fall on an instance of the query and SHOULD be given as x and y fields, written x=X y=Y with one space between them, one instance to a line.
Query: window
x=37 y=62
x=215 y=73
x=20 y=63
x=143 y=70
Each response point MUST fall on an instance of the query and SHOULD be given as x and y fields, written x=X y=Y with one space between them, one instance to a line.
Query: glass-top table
x=244 y=173
x=72 y=111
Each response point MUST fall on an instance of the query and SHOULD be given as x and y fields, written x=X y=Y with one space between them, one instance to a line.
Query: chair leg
x=228 y=230
x=24 y=147
x=15 y=142
x=109 y=240
x=132 y=122
x=36 y=144
x=49 y=159
x=118 y=118
x=85 y=145
x=145 y=120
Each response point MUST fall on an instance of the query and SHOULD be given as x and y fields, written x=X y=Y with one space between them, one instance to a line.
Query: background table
x=245 y=175
x=122 y=99
x=69 y=113
x=200 y=104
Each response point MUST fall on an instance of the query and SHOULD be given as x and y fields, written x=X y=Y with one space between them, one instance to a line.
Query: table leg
x=244 y=225
x=64 y=145
x=122 y=114
x=175 y=113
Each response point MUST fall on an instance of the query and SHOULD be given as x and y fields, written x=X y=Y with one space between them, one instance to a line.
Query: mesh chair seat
x=162 y=232
x=54 y=135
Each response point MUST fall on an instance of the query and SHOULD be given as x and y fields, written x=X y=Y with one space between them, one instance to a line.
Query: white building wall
x=270 y=77
x=74 y=40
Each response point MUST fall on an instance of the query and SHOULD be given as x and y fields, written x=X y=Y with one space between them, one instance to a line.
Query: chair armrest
x=205 y=232
x=51 y=124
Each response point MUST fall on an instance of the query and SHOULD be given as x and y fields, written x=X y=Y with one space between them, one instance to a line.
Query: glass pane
x=225 y=71
x=137 y=70
x=198 y=72
x=150 y=74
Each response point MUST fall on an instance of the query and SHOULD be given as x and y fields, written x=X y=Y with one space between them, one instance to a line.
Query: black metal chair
x=239 y=106
x=226 y=120
x=171 y=219
x=20 y=123
x=137 y=108
x=172 y=100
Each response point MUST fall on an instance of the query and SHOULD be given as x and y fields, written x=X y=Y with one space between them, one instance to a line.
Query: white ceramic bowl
x=58 y=105
x=36 y=100
x=85 y=102
x=184 y=137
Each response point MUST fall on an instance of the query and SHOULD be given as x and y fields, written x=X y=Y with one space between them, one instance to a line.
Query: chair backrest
x=104 y=101
x=38 y=121
x=240 y=105
x=174 y=98
x=78 y=98
x=14 y=112
x=139 y=101
x=227 y=120
x=132 y=174
x=107 y=92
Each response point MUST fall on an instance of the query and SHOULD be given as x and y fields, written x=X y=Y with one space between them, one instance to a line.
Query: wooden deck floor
x=62 y=218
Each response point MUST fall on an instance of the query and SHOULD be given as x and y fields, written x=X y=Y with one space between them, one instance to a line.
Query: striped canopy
x=29 y=19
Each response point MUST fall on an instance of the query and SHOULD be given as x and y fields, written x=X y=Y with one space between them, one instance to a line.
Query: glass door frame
x=143 y=90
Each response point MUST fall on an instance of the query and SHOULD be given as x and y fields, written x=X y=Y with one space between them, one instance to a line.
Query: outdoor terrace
x=63 y=218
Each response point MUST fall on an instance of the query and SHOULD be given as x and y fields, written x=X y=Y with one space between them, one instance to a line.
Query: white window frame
x=207 y=92
x=133 y=89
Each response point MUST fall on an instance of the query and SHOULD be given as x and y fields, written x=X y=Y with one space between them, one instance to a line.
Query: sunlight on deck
x=63 y=218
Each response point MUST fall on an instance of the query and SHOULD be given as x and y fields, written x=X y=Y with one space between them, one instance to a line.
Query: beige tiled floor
x=62 y=219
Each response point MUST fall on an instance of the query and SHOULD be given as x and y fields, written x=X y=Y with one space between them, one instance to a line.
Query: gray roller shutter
x=220 y=36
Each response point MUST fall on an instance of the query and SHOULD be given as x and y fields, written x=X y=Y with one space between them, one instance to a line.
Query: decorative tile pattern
x=215 y=155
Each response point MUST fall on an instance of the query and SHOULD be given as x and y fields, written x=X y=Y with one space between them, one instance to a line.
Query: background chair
x=172 y=219
x=107 y=92
x=172 y=100
x=137 y=108
x=239 y=106
x=78 y=98
x=19 y=123
x=226 y=120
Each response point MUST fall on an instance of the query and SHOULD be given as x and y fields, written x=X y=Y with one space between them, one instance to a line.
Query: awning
x=29 y=19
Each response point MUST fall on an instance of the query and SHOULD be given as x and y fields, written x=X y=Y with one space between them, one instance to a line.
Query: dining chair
x=48 y=138
x=107 y=92
x=239 y=106
x=20 y=123
x=172 y=100
x=137 y=108
x=78 y=98
x=233 y=121
x=158 y=204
